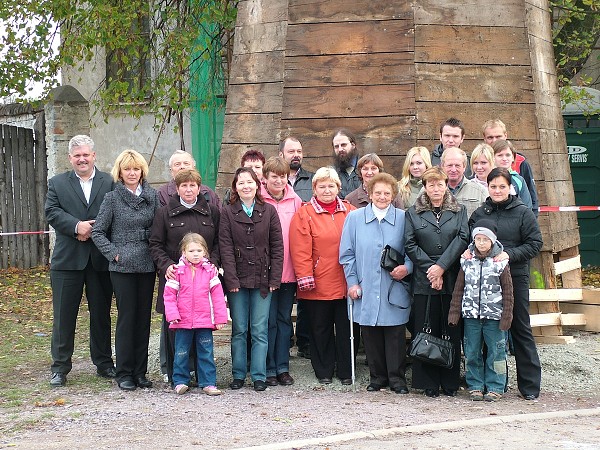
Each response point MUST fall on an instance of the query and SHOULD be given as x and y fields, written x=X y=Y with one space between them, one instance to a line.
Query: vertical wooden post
x=3 y=199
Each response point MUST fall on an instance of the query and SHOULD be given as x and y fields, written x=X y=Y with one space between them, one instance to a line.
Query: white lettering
x=579 y=158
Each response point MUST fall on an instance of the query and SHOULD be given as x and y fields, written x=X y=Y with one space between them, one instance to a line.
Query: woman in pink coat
x=194 y=307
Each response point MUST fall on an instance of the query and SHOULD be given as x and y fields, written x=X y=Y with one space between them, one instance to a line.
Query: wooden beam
x=554 y=339
x=591 y=312
x=544 y=320
x=550 y=295
x=572 y=278
x=591 y=296
x=572 y=320
x=567 y=265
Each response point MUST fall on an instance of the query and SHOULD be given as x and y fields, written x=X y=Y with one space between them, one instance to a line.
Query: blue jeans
x=492 y=375
x=280 y=329
x=247 y=306
x=206 y=372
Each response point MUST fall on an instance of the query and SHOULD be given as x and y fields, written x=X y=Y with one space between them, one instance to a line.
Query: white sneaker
x=181 y=389
x=212 y=390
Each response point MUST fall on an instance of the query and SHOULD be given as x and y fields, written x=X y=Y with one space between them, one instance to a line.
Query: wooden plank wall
x=391 y=72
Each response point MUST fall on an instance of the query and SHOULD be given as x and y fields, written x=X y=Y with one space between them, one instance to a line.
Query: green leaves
x=147 y=49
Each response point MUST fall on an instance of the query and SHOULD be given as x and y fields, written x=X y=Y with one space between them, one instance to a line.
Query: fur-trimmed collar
x=448 y=204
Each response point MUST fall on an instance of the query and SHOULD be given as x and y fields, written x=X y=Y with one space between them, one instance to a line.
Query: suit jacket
x=65 y=206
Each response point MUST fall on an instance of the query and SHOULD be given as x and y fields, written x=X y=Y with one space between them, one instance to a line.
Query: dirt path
x=158 y=418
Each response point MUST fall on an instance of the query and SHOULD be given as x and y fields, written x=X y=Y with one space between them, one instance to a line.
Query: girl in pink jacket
x=195 y=306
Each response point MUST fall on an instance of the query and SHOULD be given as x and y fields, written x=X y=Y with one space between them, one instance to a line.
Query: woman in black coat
x=186 y=212
x=519 y=233
x=436 y=234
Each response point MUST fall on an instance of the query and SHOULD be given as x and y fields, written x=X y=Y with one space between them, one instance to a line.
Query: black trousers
x=529 y=369
x=134 y=292
x=329 y=335
x=67 y=289
x=386 y=353
x=302 y=325
x=427 y=376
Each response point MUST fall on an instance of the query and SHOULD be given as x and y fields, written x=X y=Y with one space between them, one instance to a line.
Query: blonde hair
x=326 y=173
x=403 y=184
x=482 y=150
x=193 y=238
x=129 y=158
x=493 y=123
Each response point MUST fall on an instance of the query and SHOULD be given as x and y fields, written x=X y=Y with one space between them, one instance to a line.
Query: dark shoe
x=346 y=381
x=236 y=384
x=374 y=387
x=400 y=390
x=303 y=352
x=143 y=382
x=525 y=396
x=127 y=385
x=260 y=385
x=109 y=372
x=285 y=379
x=449 y=392
x=58 y=379
x=432 y=393
x=325 y=380
x=272 y=381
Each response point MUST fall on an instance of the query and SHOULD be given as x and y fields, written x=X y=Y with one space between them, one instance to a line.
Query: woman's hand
x=234 y=290
x=467 y=254
x=501 y=257
x=175 y=321
x=355 y=292
x=117 y=258
x=272 y=288
x=220 y=326
x=170 y=272
x=434 y=272
x=437 y=283
x=399 y=272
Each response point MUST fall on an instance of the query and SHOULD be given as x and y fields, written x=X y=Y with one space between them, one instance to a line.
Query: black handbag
x=390 y=259
x=431 y=349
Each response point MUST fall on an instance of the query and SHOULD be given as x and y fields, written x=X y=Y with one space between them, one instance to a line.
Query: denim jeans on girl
x=248 y=306
x=491 y=375
x=206 y=372
x=280 y=329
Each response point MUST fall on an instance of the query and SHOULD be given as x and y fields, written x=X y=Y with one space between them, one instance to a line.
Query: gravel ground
x=159 y=418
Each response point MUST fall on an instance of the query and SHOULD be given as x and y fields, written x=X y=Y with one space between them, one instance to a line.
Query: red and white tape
x=17 y=233
x=568 y=208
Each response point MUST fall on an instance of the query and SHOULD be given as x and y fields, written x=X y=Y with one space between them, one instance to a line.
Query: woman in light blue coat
x=381 y=300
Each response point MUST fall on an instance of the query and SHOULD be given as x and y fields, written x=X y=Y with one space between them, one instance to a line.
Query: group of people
x=284 y=234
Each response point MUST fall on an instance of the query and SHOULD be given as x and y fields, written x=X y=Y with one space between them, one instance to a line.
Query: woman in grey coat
x=437 y=233
x=121 y=234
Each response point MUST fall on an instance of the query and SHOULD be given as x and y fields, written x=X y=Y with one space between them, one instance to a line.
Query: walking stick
x=352 y=362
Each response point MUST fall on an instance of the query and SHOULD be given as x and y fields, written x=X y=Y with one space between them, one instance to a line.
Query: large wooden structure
x=391 y=71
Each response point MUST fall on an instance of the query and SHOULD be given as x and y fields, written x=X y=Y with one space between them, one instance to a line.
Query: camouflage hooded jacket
x=483 y=289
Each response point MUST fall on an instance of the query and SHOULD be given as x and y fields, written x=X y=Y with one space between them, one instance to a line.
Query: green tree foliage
x=576 y=31
x=149 y=47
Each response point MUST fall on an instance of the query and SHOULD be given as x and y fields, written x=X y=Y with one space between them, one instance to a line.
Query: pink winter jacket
x=286 y=208
x=197 y=302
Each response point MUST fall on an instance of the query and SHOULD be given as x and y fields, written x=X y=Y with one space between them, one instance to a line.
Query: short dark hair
x=252 y=155
x=454 y=123
x=499 y=172
x=284 y=141
x=234 y=197
x=277 y=165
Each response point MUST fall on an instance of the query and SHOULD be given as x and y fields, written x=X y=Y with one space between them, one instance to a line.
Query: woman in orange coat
x=315 y=234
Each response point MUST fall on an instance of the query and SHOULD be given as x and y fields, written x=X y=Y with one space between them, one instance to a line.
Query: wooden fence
x=23 y=189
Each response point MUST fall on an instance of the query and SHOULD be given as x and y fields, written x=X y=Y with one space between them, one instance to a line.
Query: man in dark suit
x=73 y=201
